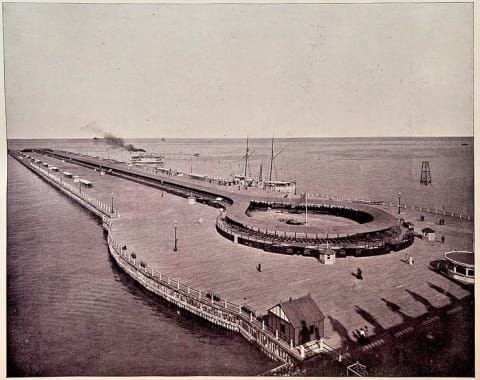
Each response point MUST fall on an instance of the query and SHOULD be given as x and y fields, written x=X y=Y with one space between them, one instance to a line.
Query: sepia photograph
x=239 y=189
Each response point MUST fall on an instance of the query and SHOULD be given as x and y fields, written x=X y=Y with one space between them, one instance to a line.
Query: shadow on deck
x=438 y=343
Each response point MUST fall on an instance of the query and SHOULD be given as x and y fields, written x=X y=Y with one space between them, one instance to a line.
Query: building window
x=471 y=272
x=282 y=328
x=461 y=270
x=312 y=329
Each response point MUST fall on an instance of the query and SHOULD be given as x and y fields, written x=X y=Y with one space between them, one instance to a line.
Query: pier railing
x=205 y=304
x=97 y=204
x=375 y=244
x=211 y=306
x=425 y=209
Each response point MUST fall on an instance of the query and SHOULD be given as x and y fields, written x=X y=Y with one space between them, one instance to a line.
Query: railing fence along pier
x=99 y=206
x=426 y=209
x=204 y=304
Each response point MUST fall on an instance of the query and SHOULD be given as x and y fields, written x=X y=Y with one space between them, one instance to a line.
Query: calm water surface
x=71 y=311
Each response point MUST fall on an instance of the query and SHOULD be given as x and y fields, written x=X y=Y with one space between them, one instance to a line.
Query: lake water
x=71 y=311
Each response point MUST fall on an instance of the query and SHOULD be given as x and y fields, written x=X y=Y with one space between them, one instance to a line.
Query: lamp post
x=399 y=197
x=112 y=203
x=175 y=247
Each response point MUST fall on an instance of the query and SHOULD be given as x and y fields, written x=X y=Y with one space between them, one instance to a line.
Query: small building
x=191 y=200
x=461 y=266
x=428 y=233
x=85 y=182
x=163 y=171
x=297 y=320
x=199 y=177
x=327 y=256
x=68 y=174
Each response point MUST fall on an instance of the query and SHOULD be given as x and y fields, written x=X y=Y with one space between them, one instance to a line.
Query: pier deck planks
x=208 y=262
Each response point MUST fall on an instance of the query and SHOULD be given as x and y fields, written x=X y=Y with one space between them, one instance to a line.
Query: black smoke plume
x=120 y=143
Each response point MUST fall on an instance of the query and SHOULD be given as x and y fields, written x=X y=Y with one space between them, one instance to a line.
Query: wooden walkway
x=208 y=262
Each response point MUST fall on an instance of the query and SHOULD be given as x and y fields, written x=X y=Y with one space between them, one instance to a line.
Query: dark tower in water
x=425 y=176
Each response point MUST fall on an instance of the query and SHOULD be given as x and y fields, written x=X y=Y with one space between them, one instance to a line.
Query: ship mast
x=246 y=161
x=271 y=162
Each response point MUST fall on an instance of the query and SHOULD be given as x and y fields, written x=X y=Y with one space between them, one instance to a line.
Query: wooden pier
x=206 y=306
x=377 y=233
x=216 y=280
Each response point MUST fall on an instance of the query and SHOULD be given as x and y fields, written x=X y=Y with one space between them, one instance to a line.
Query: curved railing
x=206 y=305
x=310 y=245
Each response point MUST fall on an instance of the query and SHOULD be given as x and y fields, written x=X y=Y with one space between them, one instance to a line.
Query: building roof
x=302 y=309
x=461 y=257
x=427 y=230
x=327 y=251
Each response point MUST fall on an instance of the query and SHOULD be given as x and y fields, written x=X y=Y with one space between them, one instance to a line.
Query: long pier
x=202 y=304
x=378 y=233
x=217 y=281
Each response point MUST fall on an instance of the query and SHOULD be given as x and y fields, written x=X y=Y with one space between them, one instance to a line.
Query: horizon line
x=258 y=138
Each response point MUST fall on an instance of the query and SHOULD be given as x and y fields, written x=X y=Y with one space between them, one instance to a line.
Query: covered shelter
x=85 y=182
x=461 y=266
x=428 y=233
x=297 y=321
x=327 y=256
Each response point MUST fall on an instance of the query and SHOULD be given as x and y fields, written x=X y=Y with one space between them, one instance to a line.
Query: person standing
x=359 y=274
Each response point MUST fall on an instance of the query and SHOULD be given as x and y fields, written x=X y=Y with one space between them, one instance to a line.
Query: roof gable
x=301 y=309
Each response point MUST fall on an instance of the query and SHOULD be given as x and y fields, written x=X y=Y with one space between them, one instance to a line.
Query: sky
x=206 y=71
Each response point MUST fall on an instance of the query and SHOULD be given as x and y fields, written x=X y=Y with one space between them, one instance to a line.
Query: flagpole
x=306 y=208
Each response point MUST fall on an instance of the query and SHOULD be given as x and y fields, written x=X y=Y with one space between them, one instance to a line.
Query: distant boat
x=197 y=154
x=464 y=144
x=163 y=139
x=146 y=159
